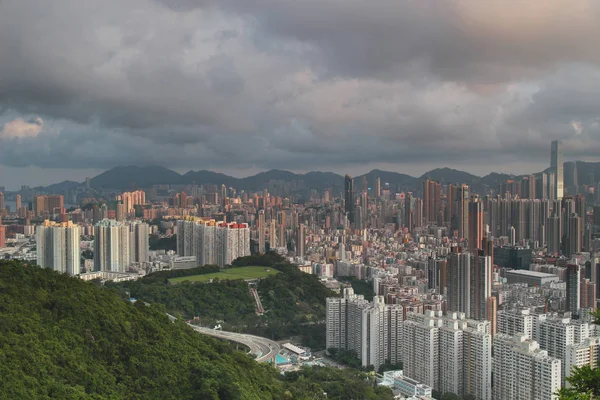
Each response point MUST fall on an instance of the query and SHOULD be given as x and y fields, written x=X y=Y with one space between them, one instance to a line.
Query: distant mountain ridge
x=130 y=177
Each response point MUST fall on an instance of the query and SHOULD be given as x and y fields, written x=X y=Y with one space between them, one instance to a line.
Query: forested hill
x=62 y=338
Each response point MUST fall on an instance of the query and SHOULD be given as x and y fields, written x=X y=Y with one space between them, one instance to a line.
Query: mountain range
x=129 y=177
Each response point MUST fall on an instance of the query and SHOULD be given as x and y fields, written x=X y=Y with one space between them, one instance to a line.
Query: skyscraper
x=556 y=165
x=48 y=205
x=273 y=233
x=523 y=371
x=432 y=200
x=480 y=285
x=462 y=212
x=140 y=235
x=112 y=246
x=458 y=281
x=300 y=241
x=475 y=220
x=574 y=235
x=58 y=247
x=349 y=198
x=570 y=175
x=450 y=212
x=260 y=227
x=573 y=288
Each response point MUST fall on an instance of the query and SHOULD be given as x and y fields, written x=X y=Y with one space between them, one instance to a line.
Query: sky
x=242 y=86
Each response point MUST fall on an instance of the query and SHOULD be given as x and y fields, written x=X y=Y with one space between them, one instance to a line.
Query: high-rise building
x=349 y=198
x=2 y=235
x=353 y=323
x=553 y=234
x=1 y=203
x=132 y=199
x=450 y=354
x=282 y=227
x=120 y=214
x=300 y=241
x=46 y=205
x=556 y=165
x=17 y=202
x=260 y=227
x=573 y=289
x=462 y=211
x=523 y=371
x=475 y=219
x=57 y=247
x=377 y=187
x=450 y=212
x=480 y=285
x=516 y=322
x=409 y=214
x=273 y=233
x=570 y=175
x=541 y=186
x=232 y=241
x=112 y=246
x=586 y=353
x=212 y=243
x=139 y=242
x=432 y=200
x=574 y=236
x=458 y=280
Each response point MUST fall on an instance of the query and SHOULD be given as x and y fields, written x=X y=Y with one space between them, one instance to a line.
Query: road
x=264 y=349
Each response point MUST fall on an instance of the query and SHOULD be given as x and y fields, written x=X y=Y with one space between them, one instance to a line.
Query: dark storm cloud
x=272 y=84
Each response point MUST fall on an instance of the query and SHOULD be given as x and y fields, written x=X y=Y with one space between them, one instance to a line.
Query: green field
x=251 y=272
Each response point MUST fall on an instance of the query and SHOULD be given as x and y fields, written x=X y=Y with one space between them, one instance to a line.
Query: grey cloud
x=299 y=85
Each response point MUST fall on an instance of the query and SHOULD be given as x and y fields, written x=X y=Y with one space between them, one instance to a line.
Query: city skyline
x=391 y=85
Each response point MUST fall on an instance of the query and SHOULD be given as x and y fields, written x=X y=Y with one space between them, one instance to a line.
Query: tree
x=584 y=384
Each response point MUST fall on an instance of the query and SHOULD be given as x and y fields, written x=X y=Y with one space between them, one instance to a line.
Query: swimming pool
x=279 y=359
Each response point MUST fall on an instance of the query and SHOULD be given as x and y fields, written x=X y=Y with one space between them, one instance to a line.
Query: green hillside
x=62 y=338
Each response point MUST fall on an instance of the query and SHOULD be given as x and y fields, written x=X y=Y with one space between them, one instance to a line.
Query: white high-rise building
x=356 y=324
x=112 y=247
x=581 y=354
x=523 y=371
x=420 y=348
x=57 y=247
x=513 y=322
x=450 y=354
x=211 y=242
x=233 y=241
x=555 y=334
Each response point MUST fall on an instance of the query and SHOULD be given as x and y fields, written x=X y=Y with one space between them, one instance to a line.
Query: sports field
x=251 y=272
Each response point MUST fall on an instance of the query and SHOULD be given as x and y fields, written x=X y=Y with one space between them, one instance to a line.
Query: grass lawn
x=251 y=272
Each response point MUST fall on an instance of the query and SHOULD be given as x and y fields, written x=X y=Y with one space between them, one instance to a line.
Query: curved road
x=264 y=349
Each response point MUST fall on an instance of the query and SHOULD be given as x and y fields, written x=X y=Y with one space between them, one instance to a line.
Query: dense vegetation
x=64 y=338
x=294 y=301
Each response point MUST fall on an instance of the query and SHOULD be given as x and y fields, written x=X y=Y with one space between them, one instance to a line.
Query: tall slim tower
x=462 y=211
x=261 y=231
x=349 y=197
x=475 y=224
x=556 y=165
x=300 y=241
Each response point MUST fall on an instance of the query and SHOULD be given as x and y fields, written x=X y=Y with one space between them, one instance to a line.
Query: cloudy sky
x=242 y=86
